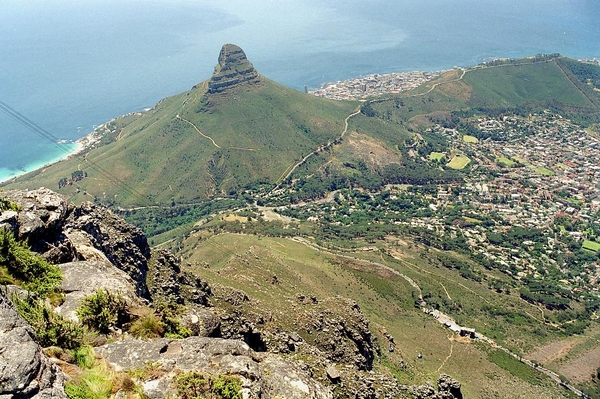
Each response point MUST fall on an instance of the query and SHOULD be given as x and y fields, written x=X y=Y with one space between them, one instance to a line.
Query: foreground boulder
x=25 y=372
x=263 y=375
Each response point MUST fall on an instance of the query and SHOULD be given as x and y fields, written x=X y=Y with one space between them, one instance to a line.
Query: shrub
x=227 y=386
x=6 y=205
x=51 y=329
x=22 y=264
x=168 y=313
x=148 y=326
x=191 y=385
x=194 y=385
x=103 y=310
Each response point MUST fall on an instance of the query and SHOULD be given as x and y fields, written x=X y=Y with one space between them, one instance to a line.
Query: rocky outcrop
x=169 y=283
x=448 y=388
x=25 y=372
x=336 y=327
x=233 y=70
x=124 y=245
x=98 y=275
x=262 y=375
x=63 y=233
x=40 y=221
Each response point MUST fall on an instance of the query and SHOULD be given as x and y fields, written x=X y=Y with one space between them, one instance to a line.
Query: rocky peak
x=233 y=70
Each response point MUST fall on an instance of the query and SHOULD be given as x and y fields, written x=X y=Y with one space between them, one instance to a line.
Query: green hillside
x=249 y=263
x=239 y=130
x=198 y=145
x=528 y=85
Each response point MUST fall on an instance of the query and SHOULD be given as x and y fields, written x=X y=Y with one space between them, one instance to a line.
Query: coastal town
x=374 y=85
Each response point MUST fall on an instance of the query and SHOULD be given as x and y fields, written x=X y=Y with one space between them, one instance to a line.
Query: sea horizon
x=68 y=67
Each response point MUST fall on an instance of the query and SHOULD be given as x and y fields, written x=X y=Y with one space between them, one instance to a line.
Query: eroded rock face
x=40 y=221
x=233 y=70
x=262 y=375
x=25 y=372
x=124 y=245
x=448 y=388
x=98 y=275
x=63 y=233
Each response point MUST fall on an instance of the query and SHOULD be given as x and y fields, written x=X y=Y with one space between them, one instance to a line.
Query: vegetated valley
x=450 y=229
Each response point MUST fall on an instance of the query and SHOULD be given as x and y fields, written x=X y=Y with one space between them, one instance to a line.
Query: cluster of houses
x=374 y=85
x=536 y=168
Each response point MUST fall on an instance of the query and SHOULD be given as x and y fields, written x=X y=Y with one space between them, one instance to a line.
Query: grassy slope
x=530 y=86
x=158 y=157
x=249 y=262
x=509 y=86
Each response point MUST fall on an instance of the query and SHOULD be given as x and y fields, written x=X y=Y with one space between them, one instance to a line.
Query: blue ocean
x=67 y=66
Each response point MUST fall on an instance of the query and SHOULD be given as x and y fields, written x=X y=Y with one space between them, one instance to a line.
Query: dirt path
x=443 y=318
x=323 y=147
x=447 y=358
x=445 y=290
x=198 y=130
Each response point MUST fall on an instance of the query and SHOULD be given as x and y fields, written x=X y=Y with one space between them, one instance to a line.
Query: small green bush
x=103 y=310
x=227 y=387
x=51 y=329
x=35 y=273
x=192 y=385
x=148 y=326
x=6 y=205
x=84 y=357
x=195 y=385
x=168 y=313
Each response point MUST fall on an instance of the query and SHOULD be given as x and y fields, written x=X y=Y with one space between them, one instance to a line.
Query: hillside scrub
x=19 y=264
x=51 y=329
x=103 y=310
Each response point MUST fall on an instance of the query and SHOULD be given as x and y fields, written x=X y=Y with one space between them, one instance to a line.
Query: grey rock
x=8 y=220
x=25 y=372
x=41 y=210
x=262 y=375
x=124 y=245
x=83 y=278
x=202 y=322
x=170 y=284
x=448 y=387
x=332 y=373
x=425 y=391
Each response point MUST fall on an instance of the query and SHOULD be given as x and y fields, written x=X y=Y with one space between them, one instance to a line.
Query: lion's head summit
x=235 y=130
x=233 y=70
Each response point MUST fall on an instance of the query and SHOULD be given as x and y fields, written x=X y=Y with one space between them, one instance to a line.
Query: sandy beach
x=69 y=149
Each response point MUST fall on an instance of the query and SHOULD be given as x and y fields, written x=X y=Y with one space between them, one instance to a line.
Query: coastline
x=78 y=146
x=357 y=88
